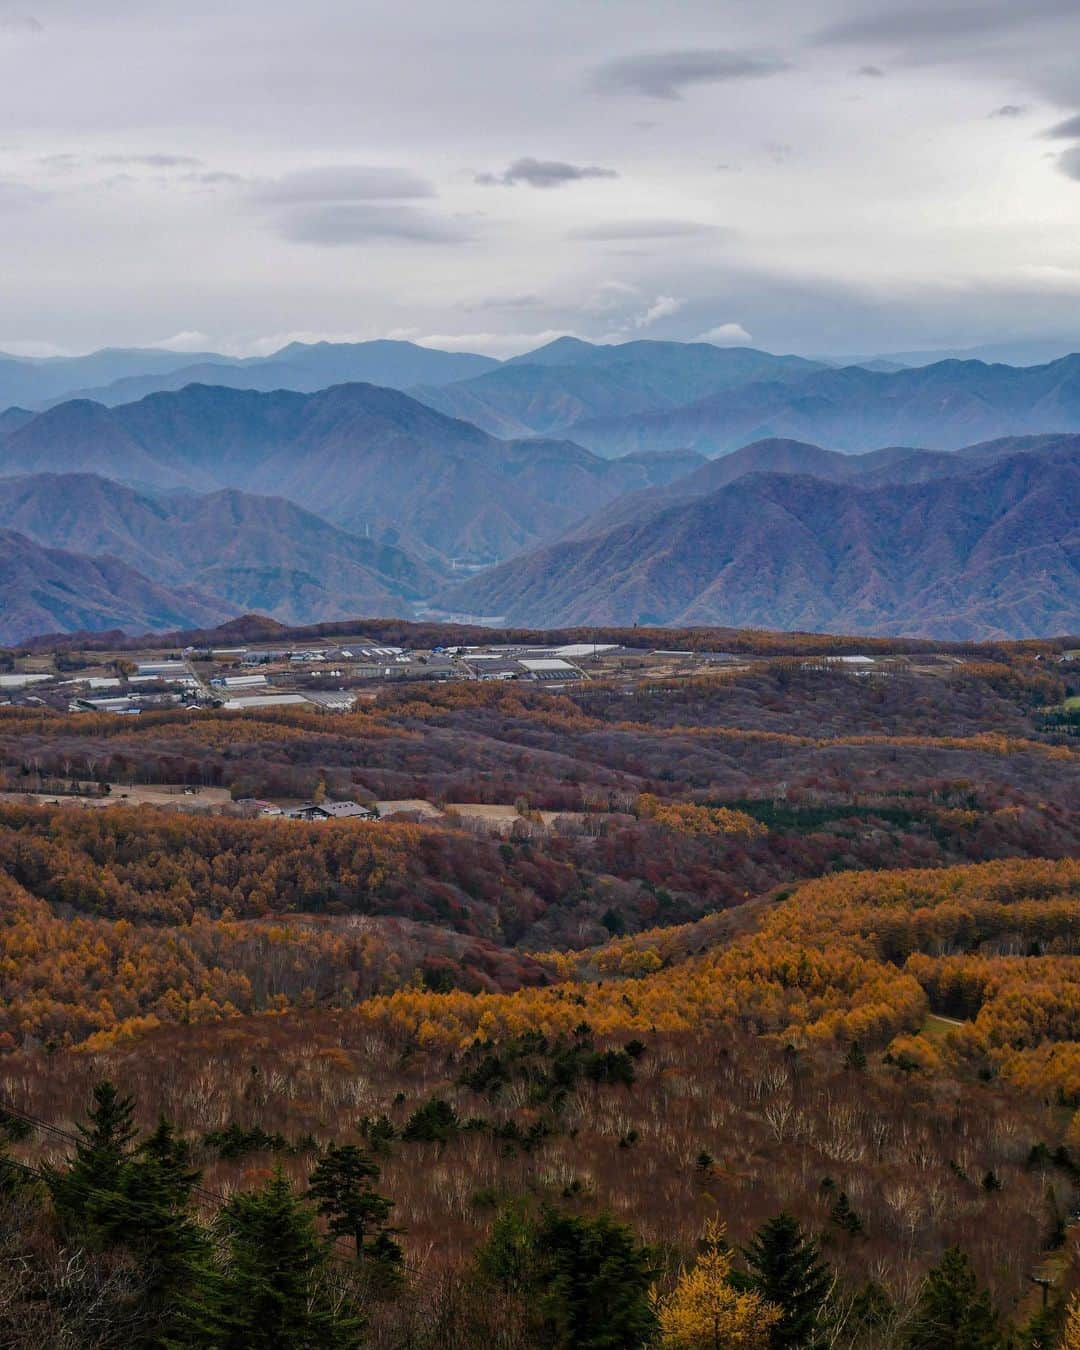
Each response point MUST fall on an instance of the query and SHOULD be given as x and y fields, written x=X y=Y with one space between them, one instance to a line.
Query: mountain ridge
x=249 y=552
x=365 y=457
x=941 y=407
x=986 y=553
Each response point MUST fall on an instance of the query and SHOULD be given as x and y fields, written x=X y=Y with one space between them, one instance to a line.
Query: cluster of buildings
x=330 y=676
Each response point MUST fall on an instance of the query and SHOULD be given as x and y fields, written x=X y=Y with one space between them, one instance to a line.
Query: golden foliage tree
x=1070 y=1339
x=704 y=1311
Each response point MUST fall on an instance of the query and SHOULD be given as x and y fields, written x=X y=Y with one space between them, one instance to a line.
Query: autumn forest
x=756 y=1025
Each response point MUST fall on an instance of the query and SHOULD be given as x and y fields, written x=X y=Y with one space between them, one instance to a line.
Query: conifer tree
x=149 y=1219
x=844 y=1217
x=592 y=1282
x=272 y=1295
x=584 y=1282
x=786 y=1272
x=855 y=1057
x=954 y=1310
x=84 y=1192
x=343 y=1184
x=172 y=1156
x=116 y=1195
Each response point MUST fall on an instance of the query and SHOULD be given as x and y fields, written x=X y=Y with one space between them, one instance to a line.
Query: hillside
x=941 y=407
x=255 y=553
x=987 y=553
x=51 y=590
x=550 y=391
x=742 y=980
x=366 y=457
x=871 y=468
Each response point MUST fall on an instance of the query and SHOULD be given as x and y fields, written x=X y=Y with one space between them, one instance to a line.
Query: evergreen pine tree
x=114 y=1195
x=172 y=1157
x=83 y=1193
x=149 y=1219
x=785 y=1271
x=591 y=1280
x=953 y=1310
x=583 y=1283
x=844 y=1217
x=272 y=1295
x=343 y=1184
x=855 y=1057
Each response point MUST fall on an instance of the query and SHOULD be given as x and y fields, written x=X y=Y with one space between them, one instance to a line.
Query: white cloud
x=31 y=350
x=726 y=335
x=661 y=308
x=188 y=341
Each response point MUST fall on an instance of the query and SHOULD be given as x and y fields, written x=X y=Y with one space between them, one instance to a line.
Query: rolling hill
x=991 y=552
x=248 y=552
x=368 y=458
x=52 y=590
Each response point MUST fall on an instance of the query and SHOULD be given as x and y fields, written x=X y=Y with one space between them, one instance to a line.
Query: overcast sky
x=821 y=176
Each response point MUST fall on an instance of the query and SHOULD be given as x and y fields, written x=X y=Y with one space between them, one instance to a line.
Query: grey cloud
x=153 y=161
x=543 y=173
x=1010 y=110
x=901 y=24
x=870 y=72
x=216 y=178
x=20 y=23
x=67 y=162
x=16 y=196
x=342 y=183
x=666 y=74
x=1069 y=163
x=515 y=302
x=644 y=229
x=1065 y=131
x=338 y=223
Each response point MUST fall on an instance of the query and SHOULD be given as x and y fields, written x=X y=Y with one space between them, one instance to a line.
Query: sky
x=816 y=176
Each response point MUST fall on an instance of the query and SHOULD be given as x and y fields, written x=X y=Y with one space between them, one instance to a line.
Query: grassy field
x=936 y=1028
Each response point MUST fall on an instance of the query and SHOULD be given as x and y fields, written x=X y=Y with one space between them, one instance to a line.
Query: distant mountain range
x=121 y=375
x=550 y=391
x=642 y=481
x=1021 y=352
x=51 y=590
x=990 y=550
x=941 y=407
x=612 y=398
x=370 y=459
